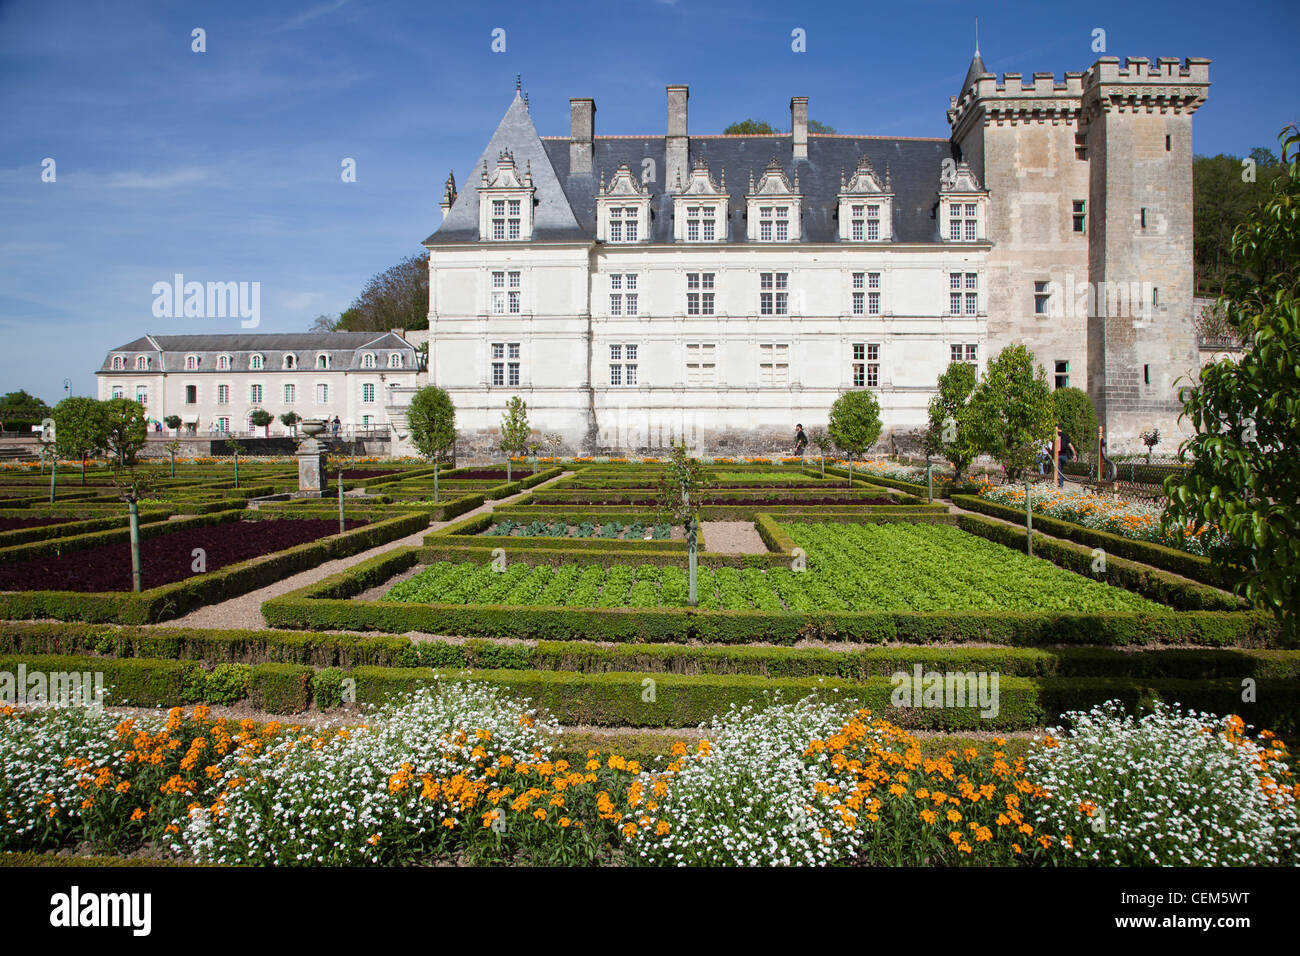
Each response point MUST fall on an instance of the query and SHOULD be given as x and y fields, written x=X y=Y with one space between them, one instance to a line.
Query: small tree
x=854 y=424
x=681 y=492
x=290 y=421
x=133 y=486
x=431 y=417
x=1012 y=410
x=173 y=422
x=824 y=444
x=554 y=442
x=126 y=429
x=232 y=446
x=260 y=418
x=173 y=447
x=514 y=429
x=1151 y=439
x=81 y=429
x=951 y=433
x=1244 y=478
x=1074 y=411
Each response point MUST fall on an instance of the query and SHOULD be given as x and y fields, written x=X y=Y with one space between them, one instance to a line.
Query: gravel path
x=732 y=537
x=245 y=611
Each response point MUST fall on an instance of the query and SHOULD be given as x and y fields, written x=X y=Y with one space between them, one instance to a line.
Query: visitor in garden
x=1066 y=453
x=1044 y=457
x=800 y=440
x=335 y=426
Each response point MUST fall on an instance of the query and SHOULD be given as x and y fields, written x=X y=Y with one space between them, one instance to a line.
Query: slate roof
x=567 y=204
x=344 y=349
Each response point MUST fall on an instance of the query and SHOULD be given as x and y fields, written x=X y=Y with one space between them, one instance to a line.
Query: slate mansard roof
x=344 y=349
x=566 y=205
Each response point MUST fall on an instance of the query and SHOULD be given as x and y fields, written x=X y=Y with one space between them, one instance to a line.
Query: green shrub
x=227 y=683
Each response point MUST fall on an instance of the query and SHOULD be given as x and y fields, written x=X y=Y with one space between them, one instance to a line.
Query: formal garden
x=669 y=659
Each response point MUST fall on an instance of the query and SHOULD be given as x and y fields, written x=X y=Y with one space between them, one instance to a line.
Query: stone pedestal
x=311 y=468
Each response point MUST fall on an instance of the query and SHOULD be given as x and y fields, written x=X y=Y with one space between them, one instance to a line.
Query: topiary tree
x=260 y=418
x=824 y=444
x=1076 y=415
x=514 y=429
x=951 y=432
x=126 y=429
x=1244 y=478
x=81 y=429
x=681 y=493
x=431 y=417
x=290 y=421
x=1012 y=410
x=854 y=424
x=173 y=422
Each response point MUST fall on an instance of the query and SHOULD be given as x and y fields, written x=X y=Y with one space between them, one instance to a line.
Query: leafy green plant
x=1245 y=473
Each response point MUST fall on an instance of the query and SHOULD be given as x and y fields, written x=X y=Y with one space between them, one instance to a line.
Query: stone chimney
x=799 y=126
x=582 y=131
x=678 y=171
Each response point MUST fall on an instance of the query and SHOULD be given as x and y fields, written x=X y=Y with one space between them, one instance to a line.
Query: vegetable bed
x=850 y=568
x=166 y=558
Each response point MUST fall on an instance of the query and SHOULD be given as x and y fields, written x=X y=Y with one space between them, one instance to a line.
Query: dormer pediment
x=622 y=185
x=865 y=181
x=773 y=182
x=506 y=175
x=701 y=182
x=960 y=179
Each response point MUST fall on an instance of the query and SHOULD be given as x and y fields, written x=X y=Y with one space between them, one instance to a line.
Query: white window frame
x=703 y=357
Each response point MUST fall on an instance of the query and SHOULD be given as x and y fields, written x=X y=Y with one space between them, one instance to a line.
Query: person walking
x=335 y=426
x=1065 y=452
x=800 y=441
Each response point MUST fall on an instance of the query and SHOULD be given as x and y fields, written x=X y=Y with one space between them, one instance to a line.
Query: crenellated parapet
x=1168 y=85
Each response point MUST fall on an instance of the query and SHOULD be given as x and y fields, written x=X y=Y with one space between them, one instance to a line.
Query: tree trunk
x=341 y=527
x=507 y=468
x=692 y=595
x=435 y=482
x=54 y=470
x=134 y=510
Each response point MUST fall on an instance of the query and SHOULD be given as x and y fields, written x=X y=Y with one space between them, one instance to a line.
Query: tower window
x=1079 y=215
x=1146 y=374
x=1144 y=217
x=1042 y=299
x=1062 y=373
x=1167 y=144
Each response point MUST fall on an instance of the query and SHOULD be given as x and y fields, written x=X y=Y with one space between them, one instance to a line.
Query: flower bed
x=465 y=771
x=1127 y=519
x=164 y=559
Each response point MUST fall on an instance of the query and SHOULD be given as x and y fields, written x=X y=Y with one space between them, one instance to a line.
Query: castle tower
x=1137 y=133
x=1019 y=139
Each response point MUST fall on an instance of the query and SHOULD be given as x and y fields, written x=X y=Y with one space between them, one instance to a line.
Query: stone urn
x=311 y=458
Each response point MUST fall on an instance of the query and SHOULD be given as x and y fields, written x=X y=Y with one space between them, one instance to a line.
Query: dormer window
x=322 y=361
x=191 y=363
x=141 y=363
x=290 y=360
x=223 y=363
x=622 y=208
x=700 y=209
x=963 y=205
x=368 y=360
x=395 y=360
x=866 y=203
x=255 y=362
x=506 y=201
x=774 y=205
x=119 y=363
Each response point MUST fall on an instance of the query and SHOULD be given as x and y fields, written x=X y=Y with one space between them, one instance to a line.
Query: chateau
x=638 y=288
x=213 y=383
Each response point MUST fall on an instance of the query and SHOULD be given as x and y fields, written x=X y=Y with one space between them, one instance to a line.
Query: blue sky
x=225 y=165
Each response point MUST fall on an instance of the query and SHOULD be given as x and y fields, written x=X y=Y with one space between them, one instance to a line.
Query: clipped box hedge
x=1169 y=559
x=75 y=526
x=347 y=651
x=173 y=600
x=672 y=700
